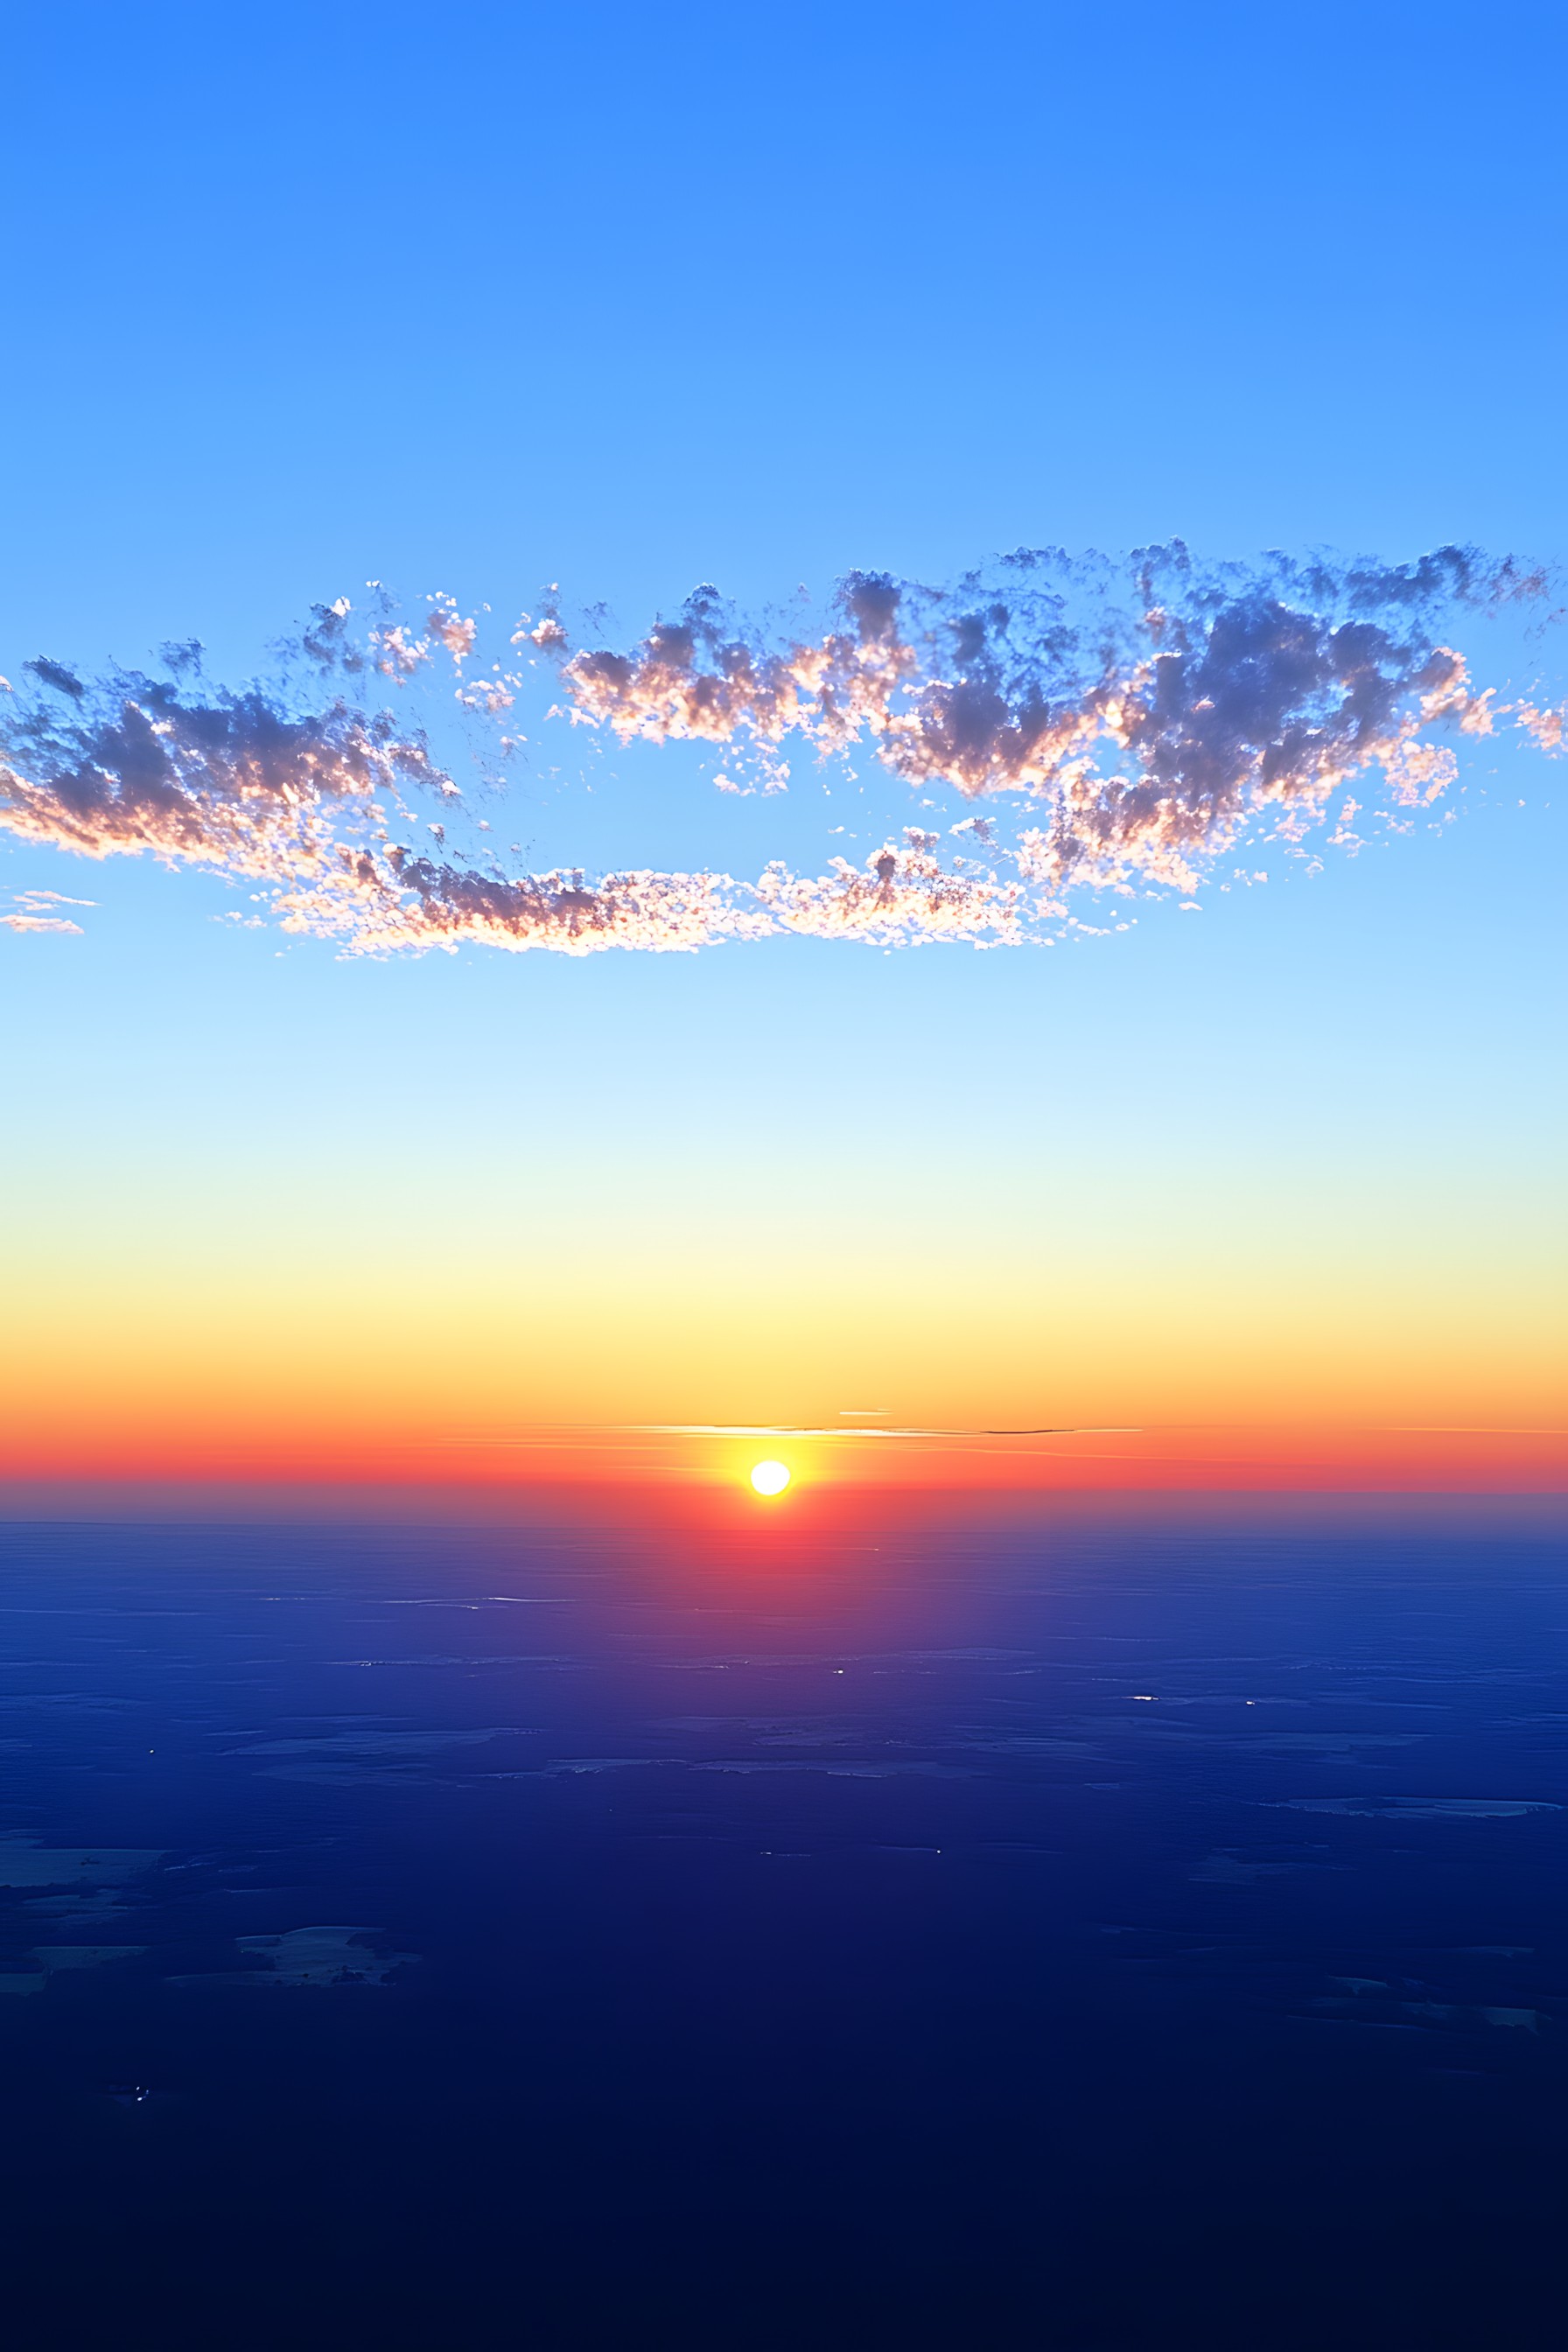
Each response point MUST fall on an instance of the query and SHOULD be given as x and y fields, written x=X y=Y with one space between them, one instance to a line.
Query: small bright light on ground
x=769 y=1477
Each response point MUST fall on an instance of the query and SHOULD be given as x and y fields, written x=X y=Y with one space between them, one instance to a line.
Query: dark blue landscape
x=1119 y=1933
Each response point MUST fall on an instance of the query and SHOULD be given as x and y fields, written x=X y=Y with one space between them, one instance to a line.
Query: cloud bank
x=1104 y=727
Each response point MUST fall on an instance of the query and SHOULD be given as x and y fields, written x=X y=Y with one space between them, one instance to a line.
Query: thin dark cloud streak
x=1114 y=727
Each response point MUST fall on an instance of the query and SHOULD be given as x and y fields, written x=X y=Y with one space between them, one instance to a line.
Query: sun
x=769 y=1477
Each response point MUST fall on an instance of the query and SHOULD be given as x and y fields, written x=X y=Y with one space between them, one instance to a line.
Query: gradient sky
x=627 y=303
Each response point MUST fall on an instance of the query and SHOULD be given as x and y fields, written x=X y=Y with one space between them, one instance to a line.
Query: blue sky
x=477 y=301
x=474 y=299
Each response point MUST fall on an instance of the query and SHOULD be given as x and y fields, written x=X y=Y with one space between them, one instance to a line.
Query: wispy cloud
x=1108 y=728
x=37 y=910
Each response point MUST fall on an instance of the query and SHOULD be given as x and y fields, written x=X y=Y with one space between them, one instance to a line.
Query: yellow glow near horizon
x=769 y=1477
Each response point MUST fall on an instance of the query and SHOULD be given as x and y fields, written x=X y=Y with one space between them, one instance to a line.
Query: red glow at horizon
x=685 y=1480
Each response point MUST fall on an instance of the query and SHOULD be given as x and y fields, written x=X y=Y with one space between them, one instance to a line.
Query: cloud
x=376 y=905
x=1151 y=731
x=34 y=912
x=51 y=673
x=1126 y=725
x=897 y=898
x=236 y=782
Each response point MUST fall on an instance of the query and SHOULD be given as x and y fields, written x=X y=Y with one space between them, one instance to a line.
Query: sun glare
x=769 y=1477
